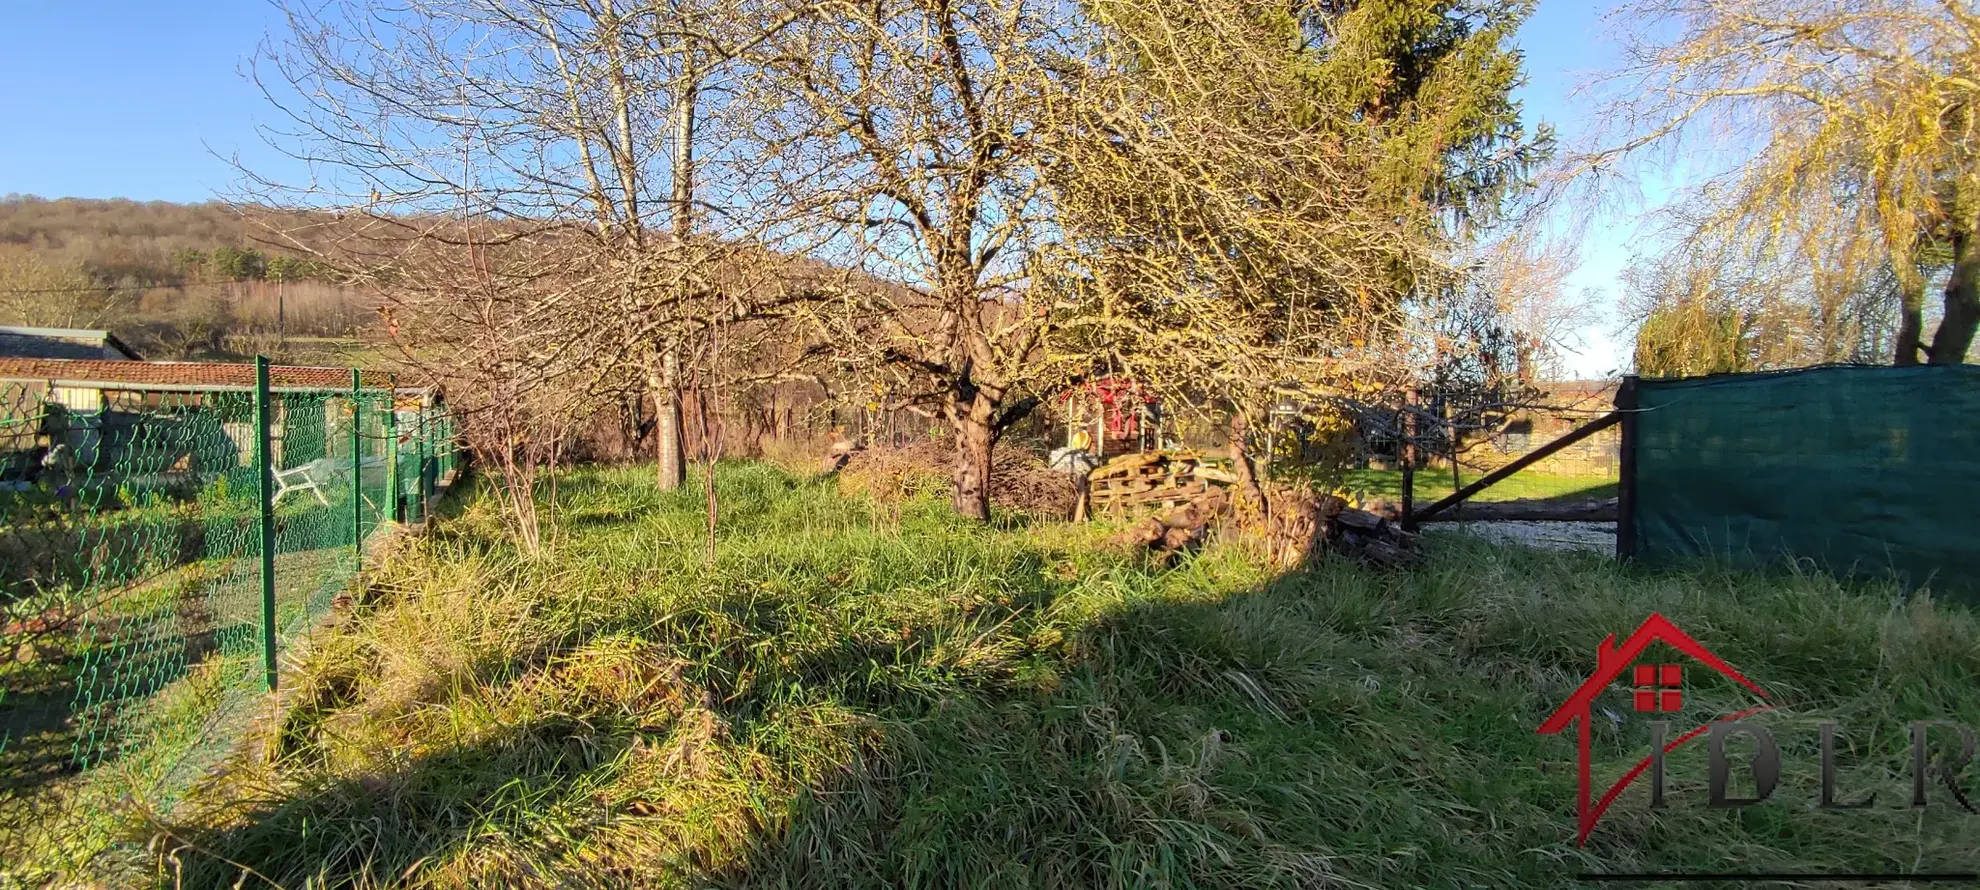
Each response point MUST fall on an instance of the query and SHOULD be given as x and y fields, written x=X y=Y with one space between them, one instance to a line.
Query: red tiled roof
x=166 y=375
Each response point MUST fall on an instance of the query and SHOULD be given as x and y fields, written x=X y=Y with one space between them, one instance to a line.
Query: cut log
x=1215 y=474
x=1365 y=537
x=1129 y=463
x=1359 y=519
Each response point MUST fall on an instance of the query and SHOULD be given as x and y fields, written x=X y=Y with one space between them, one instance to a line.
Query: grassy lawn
x=1434 y=484
x=862 y=695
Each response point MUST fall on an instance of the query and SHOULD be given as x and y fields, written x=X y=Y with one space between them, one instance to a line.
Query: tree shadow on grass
x=1295 y=733
x=91 y=682
x=384 y=826
x=991 y=749
x=1123 y=755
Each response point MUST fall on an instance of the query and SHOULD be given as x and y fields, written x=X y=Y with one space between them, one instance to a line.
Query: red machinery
x=1124 y=419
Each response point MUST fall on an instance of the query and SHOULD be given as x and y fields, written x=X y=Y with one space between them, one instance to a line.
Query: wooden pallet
x=1154 y=480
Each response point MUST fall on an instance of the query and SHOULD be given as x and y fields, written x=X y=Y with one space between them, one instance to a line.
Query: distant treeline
x=137 y=244
x=230 y=263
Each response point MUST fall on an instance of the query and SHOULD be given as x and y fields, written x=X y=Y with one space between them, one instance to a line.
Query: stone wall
x=1568 y=406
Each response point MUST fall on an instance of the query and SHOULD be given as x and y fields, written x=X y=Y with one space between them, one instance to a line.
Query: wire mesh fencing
x=162 y=544
x=1548 y=454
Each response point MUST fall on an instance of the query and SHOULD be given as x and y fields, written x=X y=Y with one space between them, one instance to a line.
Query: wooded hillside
x=176 y=281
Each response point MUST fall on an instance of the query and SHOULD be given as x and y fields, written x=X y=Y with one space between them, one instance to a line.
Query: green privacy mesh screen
x=1863 y=471
x=135 y=609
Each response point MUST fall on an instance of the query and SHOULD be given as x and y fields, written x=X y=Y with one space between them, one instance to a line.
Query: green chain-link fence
x=164 y=539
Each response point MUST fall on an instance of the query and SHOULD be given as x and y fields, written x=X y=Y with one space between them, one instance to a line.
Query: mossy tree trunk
x=1962 y=315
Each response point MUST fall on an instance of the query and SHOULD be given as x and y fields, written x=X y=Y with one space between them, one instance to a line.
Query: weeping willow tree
x=1692 y=339
x=1856 y=124
x=1716 y=303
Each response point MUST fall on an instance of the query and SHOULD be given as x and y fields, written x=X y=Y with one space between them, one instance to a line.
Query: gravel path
x=1596 y=536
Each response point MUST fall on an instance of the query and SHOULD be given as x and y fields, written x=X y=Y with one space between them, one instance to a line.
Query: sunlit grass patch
x=865 y=694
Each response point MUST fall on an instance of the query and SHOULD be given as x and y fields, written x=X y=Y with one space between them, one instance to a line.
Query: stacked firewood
x=1299 y=527
x=1179 y=531
x=1367 y=537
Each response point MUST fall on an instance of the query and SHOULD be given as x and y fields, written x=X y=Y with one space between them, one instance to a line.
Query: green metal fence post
x=392 y=448
x=357 y=474
x=265 y=469
x=425 y=452
x=445 y=439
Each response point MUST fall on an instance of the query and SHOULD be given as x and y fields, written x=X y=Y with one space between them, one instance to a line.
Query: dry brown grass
x=1019 y=480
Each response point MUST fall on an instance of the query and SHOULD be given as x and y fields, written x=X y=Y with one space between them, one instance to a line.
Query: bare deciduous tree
x=34 y=292
x=1260 y=207
x=562 y=136
x=907 y=135
x=999 y=197
x=489 y=337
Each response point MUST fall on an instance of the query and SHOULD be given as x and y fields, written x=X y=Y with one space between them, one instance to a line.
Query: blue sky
x=1565 y=43
x=144 y=99
x=123 y=98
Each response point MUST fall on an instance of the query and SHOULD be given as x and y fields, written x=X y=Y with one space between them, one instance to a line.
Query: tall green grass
x=867 y=695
